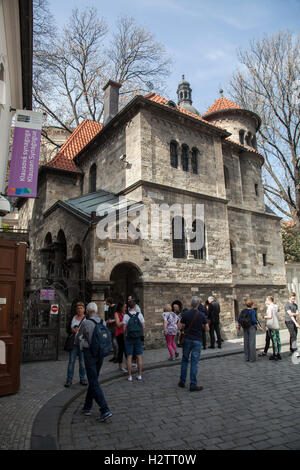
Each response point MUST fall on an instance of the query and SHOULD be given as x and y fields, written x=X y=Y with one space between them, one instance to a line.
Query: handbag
x=272 y=323
x=69 y=343
x=183 y=334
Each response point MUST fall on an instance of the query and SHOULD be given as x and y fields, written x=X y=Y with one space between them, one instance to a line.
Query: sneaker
x=279 y=357
x=171 y=359
x=104 y=416
x=261 y=354
x=196 y=389
x=123 y=369
x=86 y=412
x=273 y=358
x=83 y=382
x=181 y=384
x=112 y=359
x=68 y=383
x=177 y=354
x=138 y=377
x=129 y=378
x=134 y=365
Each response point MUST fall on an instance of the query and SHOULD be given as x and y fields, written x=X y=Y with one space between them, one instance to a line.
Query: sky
x=201 y=36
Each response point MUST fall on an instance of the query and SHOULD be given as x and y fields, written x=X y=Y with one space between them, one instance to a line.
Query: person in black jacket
x=214 y=322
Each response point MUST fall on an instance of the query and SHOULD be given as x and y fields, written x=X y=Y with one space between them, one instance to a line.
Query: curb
x=45 y=429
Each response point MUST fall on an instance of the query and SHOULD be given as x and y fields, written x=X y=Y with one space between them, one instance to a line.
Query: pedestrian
x=75 y=352
x=273 y=326
x=111 y=324
x=247 y=320
x=170 y=320
x=291 y=312
x=214 y=322
x=192 y=321
x=267 y=343
x=92 y=364
x=134 y=329
x=119 y=315
x=176 y=308
x=137 y=307
x=202 y=308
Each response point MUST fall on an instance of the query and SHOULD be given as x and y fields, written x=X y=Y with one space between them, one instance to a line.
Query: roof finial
x=221 y=91
x=182 y=77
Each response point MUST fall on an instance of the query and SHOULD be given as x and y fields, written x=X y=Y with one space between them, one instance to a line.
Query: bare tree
x=266 y=85
x=75 y=66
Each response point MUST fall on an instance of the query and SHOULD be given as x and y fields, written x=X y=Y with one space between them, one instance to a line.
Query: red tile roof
x=222 y=104
x=160 y=100
x=82 y=135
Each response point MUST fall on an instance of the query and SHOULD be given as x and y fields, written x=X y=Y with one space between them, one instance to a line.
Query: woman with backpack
x=247 y=320
x=170 y=320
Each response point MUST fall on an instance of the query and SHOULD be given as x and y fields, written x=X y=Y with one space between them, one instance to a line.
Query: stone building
x=153 y=152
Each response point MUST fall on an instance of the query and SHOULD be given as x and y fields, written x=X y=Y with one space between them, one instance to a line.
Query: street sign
x=54 y=309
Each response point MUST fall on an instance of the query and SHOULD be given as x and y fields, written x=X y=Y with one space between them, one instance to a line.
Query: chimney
x=111 y=100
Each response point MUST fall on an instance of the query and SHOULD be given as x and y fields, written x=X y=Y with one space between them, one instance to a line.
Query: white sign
x=54 y=309
x=2 y=301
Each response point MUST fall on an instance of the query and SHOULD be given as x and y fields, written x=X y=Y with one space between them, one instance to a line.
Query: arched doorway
x=126 y=278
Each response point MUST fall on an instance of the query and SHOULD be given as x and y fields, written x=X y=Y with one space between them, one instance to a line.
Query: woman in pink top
x=170 y=320
x=119 y=314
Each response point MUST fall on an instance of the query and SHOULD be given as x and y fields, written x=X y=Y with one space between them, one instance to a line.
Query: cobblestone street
x=243 y=406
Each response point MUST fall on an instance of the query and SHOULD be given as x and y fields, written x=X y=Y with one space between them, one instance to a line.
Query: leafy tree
x=291 y=242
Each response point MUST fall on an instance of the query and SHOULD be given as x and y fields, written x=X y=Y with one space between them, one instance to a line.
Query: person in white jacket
x=273 y=326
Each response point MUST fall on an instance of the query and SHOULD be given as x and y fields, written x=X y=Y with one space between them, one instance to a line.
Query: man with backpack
x=134 y=328
x=94 y=339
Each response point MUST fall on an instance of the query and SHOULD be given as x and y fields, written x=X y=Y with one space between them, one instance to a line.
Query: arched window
x=48 y=240
x=226 y=177
x=93 y=178
x=199 y=253
x=256 y=189
x=174 y=154
x=248 y=139
x=195 y=161
x=178 y=237
x=185 y=157
x=242 y=136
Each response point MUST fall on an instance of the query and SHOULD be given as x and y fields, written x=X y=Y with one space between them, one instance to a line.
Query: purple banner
x=25 y=158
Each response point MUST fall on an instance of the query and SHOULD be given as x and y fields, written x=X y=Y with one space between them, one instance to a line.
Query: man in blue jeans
x=92 y=364
x=193 y=321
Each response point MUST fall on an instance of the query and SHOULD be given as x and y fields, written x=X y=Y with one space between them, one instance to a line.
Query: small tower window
x=232 y=253
x=201 y=253
x=248 y=139
x=254 y=142
x=256 y=189
x=185 y=158
x=174 y=154
x=242 y=136
x=264 y=258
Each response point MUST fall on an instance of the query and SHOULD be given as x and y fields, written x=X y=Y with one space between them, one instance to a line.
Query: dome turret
x=184 y=93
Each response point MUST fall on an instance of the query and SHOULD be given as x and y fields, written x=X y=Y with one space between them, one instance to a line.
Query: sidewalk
x=30 y=418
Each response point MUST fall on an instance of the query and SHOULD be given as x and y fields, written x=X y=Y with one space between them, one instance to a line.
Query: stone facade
x=243 y=255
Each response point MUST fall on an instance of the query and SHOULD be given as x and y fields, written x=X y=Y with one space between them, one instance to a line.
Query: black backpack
x=134 y=326
x=245 y=318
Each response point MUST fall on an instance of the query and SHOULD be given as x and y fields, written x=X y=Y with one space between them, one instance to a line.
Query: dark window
x=226 y=177
x=254 y=143
x=93 y=178
x=232 y=253
x=195 y=161
x=264 y=257
x=201 y=252
x=174 y=154
x=242 y=136
x=248 y=139
x=178 y=237
x=185 y=158
x=256 y=189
